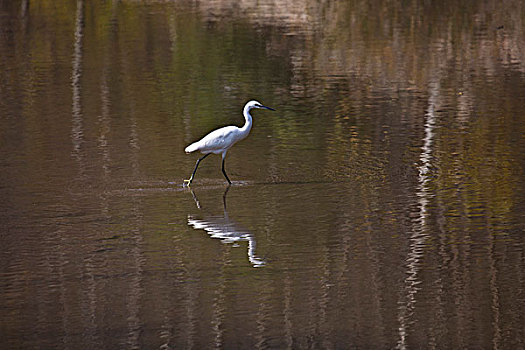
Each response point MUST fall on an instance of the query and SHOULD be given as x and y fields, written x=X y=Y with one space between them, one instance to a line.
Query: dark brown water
x=381 y=206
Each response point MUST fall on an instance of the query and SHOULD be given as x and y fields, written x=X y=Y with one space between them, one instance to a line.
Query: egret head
x=255 y=104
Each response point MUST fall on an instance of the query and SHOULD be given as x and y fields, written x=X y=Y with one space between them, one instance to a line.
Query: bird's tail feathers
x=191 y=148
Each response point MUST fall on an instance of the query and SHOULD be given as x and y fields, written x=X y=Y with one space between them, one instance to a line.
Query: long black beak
x=271 y=109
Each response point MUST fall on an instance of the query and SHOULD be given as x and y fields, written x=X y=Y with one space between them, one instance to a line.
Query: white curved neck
x=248 y=121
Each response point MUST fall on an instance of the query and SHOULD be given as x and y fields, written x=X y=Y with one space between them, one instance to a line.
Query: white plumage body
x=218 y=141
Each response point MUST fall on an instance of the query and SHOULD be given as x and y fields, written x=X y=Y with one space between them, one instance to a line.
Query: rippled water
x=381 y=206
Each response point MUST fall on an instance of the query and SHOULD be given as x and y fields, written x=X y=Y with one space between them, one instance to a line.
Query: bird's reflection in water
x=225 y=229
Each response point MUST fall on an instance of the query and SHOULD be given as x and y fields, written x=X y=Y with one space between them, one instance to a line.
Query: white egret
x=221 y=140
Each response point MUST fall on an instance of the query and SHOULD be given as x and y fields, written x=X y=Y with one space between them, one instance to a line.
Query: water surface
x=381 y=206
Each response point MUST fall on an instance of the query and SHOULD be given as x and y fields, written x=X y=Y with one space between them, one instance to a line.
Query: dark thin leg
x=195 y=170
x=224 y=172
x=224 y=199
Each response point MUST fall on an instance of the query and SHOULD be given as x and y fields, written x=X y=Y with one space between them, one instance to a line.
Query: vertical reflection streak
x=219 y=303
x=324 y=289
x=105 y=96
x=90 y=300
x=136 y=290
x=495 y=305
x=105 y=124
x=419 y=236
x=77 y=124
x=262 y=318
x=287 y=312
x=438 y=285
x=192 y=293
x=375 y=277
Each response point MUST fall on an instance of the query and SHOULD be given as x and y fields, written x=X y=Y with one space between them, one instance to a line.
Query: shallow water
x=381 y=205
